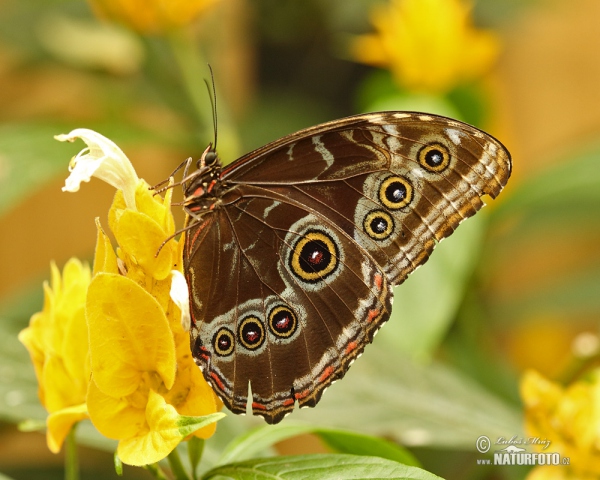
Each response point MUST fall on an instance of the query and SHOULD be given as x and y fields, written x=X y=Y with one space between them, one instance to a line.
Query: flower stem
x=176 y=466
x=155 y=471
x=71 y=460
x=193 y=70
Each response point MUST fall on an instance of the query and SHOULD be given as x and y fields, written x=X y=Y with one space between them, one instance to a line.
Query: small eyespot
x=378 y=224
x=395 y=192
x=251 y=332
x=282 y=321
x=223 y=342
x=434 y=157
x=314 y=256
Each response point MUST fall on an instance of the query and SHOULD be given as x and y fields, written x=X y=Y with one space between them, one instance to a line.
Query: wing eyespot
x=378 y=225
x=396 y=192
x=251 y=332
x=434 y=158
x=314 y=256
x=223 y=342
x=282 y=321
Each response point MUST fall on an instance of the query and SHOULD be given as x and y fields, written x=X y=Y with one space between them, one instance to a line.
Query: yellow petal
x=114 y=417
x=161 y=438
x=200 y=398
x=166 y=429
x=151 y=16
x=105 y=259
x=156 y=208
x=58 y=385
x=140 y=237
x=429 y=45
x=60 y=423
x=75 y=353
x=129 y=335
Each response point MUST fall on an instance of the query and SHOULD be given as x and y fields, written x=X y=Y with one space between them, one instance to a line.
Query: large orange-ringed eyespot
x=434 y=157
x=223 y=342
x=282 y=321
x=251 y=332
x=378 y=224
x=314 y=256
x=395 y=192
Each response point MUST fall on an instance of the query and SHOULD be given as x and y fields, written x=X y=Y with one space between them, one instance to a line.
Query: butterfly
x=292 y=251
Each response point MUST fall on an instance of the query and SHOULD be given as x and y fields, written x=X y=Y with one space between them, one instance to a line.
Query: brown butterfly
x=292 y=251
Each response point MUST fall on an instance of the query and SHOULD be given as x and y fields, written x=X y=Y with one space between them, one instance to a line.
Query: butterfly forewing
x=290 y=271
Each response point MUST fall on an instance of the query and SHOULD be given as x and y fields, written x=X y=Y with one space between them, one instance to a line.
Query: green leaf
x=118 y=465
x=426 y=304
x=259 y=439
x=31 y=425
x=195 y=447
x=5 y=477
x=359 y=444
x=189 y=424
x=555 y=191
x=29 y=157
x=387 y=394
x=323 y=467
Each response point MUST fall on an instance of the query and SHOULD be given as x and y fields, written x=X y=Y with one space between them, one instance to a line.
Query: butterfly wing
x=314 y=231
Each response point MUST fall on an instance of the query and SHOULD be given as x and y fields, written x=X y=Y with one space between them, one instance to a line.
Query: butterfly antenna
x=212 y=94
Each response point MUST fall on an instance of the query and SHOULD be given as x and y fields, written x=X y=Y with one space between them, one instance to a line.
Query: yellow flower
x=57 y=342
x=429 y=45
x=568 y=417
x=151 y=16
x=145 y=390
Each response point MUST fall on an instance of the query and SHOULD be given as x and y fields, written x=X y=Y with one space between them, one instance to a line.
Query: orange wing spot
x=373 y=313
x=258 y=406
x=218 y=381
x=210 y=186
x=198 y=192
x=378 y=279
x=302 y=394
x=204 y=356
x=351 y=346
x=328 y=371
x=288 y=401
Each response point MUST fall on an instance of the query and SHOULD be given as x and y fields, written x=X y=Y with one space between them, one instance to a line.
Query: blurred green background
x=517 y=287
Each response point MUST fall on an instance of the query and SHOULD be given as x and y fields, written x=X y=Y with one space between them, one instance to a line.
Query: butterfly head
x=202 y=188
x=209 y=158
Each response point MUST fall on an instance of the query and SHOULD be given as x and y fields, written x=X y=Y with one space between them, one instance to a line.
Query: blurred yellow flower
x=145 y=390
x=568 y=417
x=57 y=342
x=429 y=45
x=151 y=16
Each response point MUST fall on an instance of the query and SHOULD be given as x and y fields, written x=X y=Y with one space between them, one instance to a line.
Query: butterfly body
x=293 y=249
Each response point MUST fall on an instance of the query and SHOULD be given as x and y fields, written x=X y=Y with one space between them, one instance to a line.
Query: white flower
x=102 y=159
x=180 y=296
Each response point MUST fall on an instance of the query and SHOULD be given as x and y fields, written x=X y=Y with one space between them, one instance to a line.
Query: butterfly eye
x=378 y=225
x=395 y=192
x=282 y=322
x=251 y=333
x=314 y=256
x=434 y=158
x=223 y=342
x=210 y=158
